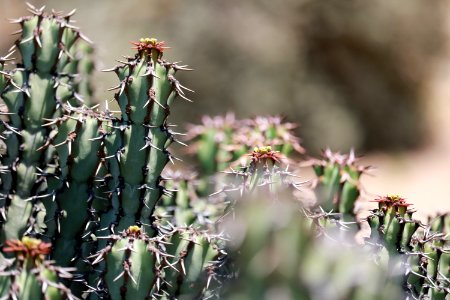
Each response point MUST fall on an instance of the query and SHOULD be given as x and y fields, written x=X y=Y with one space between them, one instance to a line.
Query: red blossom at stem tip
x=28 y=247
x=147 y=44
x=392 y=200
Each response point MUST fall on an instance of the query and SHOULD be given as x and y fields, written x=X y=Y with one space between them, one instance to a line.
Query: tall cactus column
x=37 y=89
x=138 y=146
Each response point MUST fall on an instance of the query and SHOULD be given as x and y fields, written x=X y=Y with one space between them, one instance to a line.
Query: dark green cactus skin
x=84 y=66
x=36 y=91
x=280 y=257
x=178 y=264
x=30 y=276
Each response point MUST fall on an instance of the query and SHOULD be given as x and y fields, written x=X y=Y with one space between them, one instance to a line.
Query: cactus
x=178 y=263
x=183 y=205
x=220 y=141
x=85 y=187
x=37 y=90
x=392 y=224
x=29 y=275
x=338 y=186
x=280 y=258
x=424 y=248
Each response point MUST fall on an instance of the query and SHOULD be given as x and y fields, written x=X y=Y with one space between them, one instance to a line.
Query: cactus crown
x=261 y=154
x=28 y=248
x=146 y=45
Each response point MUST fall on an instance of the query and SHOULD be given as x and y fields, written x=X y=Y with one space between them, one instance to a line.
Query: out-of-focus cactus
x=220 y=141
x=85 y=67
x=182 y=205
x=264 y=172
x=280 y=258
x=338 y=186
x=179 y=263
x=29 y=275
x=392 y=224
x=337 y=189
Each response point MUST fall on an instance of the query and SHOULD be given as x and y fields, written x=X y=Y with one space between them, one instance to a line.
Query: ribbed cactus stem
x=37 y=90
x=141 y=137
x=79 y=143
x=176 y=264
x=30 y=275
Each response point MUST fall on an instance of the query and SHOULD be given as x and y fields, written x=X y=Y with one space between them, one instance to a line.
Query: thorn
x=71 y=13
x=27 y=39
x=85 y=38
x=17 y=32
x=113 y=69
x=38 y=40
x=184 y=97
x=15 y=21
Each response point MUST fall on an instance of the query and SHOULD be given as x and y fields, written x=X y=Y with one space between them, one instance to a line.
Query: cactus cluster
x=88 y=209
x=222 y=140
x=424 y=248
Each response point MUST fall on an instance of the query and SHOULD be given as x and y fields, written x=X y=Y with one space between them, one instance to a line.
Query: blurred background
x=373 y=75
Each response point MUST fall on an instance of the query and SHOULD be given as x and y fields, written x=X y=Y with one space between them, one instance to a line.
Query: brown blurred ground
x=372 y=75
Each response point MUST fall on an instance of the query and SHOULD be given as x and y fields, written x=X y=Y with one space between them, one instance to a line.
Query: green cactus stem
x=337 y=186
x=392 y=224
x=37 y=89
x=29 y=275
x=138 y=146
x=177 y=264
x=428 y=272
x=79 y=142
